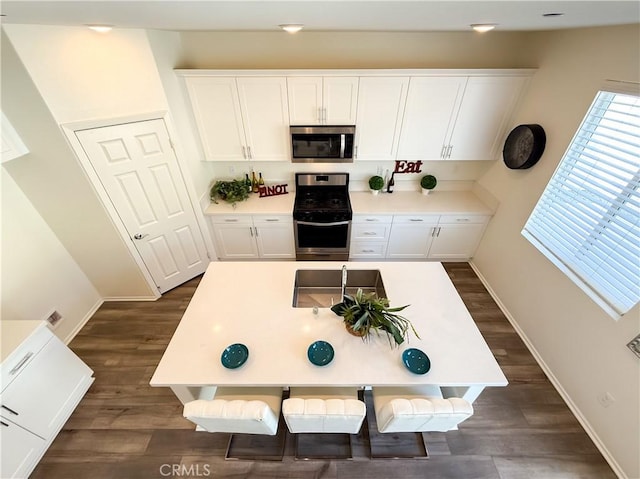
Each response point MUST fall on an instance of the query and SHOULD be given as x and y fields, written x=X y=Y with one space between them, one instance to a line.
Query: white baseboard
x=84 y=320
x=130 y=298
x=554 y=381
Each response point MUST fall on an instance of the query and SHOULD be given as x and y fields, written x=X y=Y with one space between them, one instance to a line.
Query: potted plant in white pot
x=427 y=183
x=376 y=183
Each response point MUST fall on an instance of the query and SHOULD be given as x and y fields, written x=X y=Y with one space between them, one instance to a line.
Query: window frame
x=597 y=293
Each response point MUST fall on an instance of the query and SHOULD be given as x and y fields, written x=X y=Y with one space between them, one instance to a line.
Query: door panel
x=139 y=171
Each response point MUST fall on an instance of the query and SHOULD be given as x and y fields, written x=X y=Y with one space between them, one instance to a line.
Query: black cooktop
x=322 y=197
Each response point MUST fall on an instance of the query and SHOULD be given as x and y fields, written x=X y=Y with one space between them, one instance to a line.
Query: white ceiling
x=324 y=15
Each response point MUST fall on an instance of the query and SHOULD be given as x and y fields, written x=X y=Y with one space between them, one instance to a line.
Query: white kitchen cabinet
x=12 y=145
x=243 y=237
x=457 y=237
x=243 y=118
x=432 y=103
x=369 y=236
x=322 y=100
x=482 y=119
x=458 y=117
x=381 y=102
x=411 y=236
x=43 y=382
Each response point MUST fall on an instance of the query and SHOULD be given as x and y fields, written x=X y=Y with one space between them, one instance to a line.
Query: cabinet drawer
x=272 y=219
x=24 y=354
x=366 y=249
x=373 y=231
x=372 y=219
x=416 y=219
x=463 y=219
x=232 y=219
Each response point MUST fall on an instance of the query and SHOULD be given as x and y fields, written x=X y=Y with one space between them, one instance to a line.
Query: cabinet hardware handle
x=433 y=232
x=230 y=221
x=368 y=233
x=371 y=219
x=416 y=219
x=462 y=219
x=442 y=151
x=4 y=424
x=272 y=219
x=249 y=152
x=256 y=229
x=368 y=251
x=10 y=410
x=244 y=153
x=439 y=228
x=356 y=151
x=449 y=151
x=251 y=231
x=20 y=364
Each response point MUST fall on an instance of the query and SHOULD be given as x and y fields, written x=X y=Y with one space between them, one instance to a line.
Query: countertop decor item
x=230 y=191
x=364 y=313
x=320 y=353
x=427 y=183
x=416 y=361
x=234 y=356
x=376 y=183
x=524 y=146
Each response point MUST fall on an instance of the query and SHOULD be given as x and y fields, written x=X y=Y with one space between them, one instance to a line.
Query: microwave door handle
x=342 y=145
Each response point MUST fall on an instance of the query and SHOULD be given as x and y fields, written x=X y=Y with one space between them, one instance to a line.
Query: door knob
x=139 y=236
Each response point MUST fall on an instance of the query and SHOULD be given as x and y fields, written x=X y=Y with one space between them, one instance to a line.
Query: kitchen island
x=252 y=303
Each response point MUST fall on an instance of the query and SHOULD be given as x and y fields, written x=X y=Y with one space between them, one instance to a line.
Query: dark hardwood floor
x=124 y=429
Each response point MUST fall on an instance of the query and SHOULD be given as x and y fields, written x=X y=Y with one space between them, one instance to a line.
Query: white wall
x=56 y=185
x=38 y=274
x=582 y=347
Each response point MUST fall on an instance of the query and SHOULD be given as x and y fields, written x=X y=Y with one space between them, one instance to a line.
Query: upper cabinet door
x=322 y=101
x=216 y=109
x=265 y=114
x=305 y=100
x=483 y=117
x=340 y=100
x=380 y=107
x=429 y=114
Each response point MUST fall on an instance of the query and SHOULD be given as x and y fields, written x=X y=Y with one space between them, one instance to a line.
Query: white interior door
x=139 y=171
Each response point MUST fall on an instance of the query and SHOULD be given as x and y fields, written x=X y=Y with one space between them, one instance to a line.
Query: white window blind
x=587 y=220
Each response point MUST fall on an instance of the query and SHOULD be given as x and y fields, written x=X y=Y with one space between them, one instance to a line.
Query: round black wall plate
x=524 y=146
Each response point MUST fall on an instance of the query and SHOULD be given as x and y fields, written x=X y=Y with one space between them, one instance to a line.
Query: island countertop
x=251 y=303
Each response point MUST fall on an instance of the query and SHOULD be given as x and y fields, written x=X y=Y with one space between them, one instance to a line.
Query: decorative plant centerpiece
x=427 y=183
x=376 y=183
x=365 y=312
x=230 y=191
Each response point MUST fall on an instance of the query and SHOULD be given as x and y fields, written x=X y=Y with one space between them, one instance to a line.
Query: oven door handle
x=337 y=223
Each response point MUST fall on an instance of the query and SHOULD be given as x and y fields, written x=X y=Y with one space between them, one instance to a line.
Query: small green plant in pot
x=427 y=183
x=230 y=191
x=376 y=183
x=364 y=313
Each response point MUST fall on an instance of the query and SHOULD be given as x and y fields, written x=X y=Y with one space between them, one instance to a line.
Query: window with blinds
x=587 y=221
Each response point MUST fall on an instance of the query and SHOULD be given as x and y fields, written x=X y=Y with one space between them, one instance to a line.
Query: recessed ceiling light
x=292 y=27
x=100 y=28
x=483 y=27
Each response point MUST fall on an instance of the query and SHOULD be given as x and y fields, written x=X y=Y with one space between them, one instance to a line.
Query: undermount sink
x=323 y=287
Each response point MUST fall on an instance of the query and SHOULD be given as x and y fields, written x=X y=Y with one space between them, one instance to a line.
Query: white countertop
x=363 y=202
x=251 y=303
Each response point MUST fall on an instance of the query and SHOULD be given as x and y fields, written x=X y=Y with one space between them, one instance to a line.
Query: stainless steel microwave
x=322 y=144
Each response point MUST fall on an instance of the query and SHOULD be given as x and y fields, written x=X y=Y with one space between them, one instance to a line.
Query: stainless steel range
x=322 y=216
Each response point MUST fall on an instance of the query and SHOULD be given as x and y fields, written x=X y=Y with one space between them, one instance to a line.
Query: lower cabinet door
x=275 y=242
x=21 y=450
x=409 y=241
x=235 y=242
x=456 y=241
x=42 y=397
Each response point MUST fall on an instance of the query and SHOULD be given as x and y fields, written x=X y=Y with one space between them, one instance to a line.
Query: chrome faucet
x=344 y=281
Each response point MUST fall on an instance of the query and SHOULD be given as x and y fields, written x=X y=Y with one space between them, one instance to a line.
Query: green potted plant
x=376 y=183
x=427 y=183
x=230 y=191
x=364 y=313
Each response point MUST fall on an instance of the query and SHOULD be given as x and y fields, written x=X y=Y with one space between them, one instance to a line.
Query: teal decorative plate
x=416 y=361
x=234 y=356
x=320 y=353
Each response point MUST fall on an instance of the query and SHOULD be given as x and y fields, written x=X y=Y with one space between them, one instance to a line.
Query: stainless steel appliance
x=322 y=216
x=322 y=144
